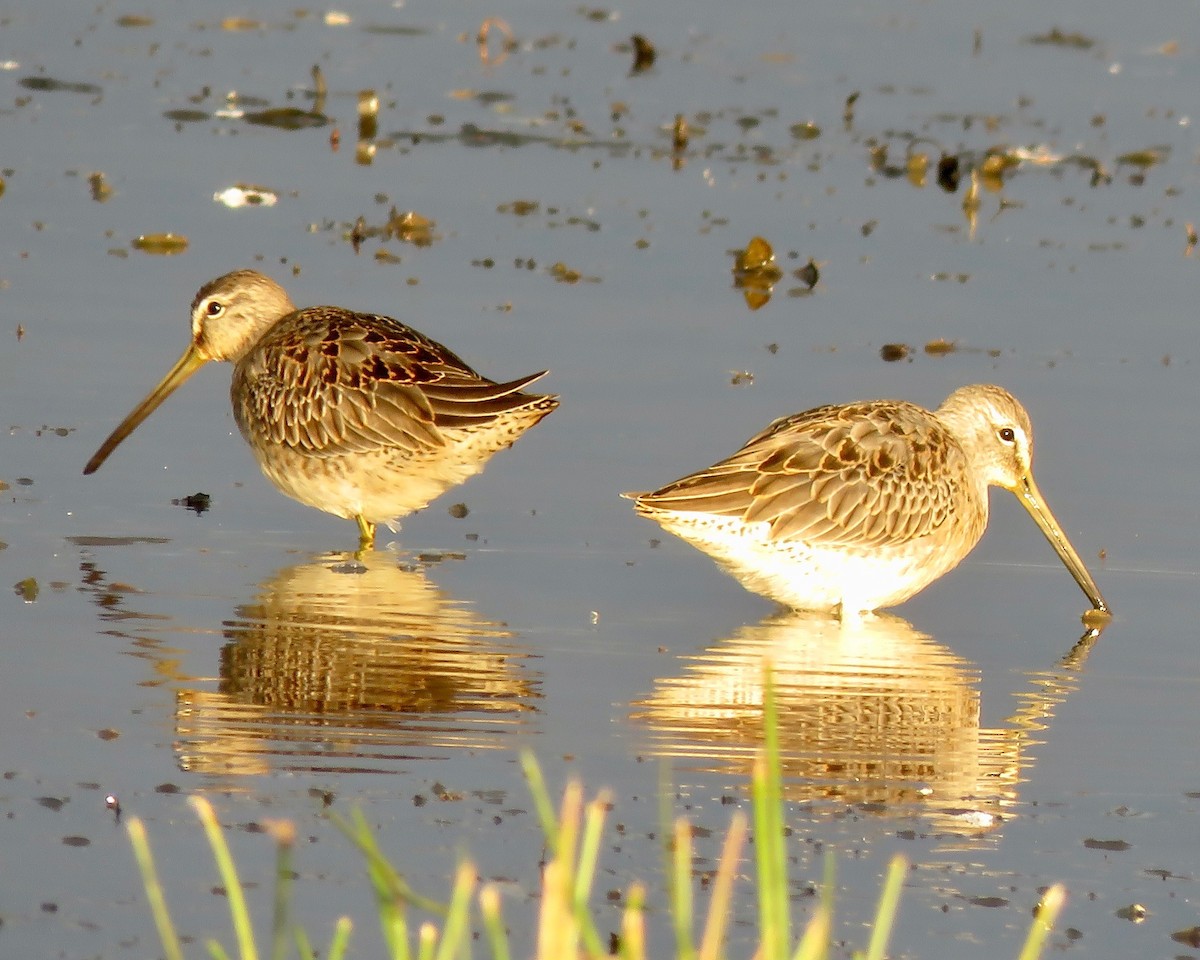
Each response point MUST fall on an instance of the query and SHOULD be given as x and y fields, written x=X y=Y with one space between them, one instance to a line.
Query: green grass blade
x=493 y=922
x=770 y=851
x=457 y=930
x=633 y=924
x=384 y=877
x=585 y=873
x=285 y=840
x=303 y=944
x=239 y=915
x=814 y=943
x=428 y=938
x=889 y=900
x=721 y=898
x=340 y=941
x=1043 y=922
x=541 y=800
x=154 y=892
x=681 y=890
x=829 y=892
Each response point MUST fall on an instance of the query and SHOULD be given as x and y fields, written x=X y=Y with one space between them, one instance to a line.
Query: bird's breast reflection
x=348 y=664
x=871 y=713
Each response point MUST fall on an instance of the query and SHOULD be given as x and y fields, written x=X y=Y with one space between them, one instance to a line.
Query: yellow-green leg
x=366 y=533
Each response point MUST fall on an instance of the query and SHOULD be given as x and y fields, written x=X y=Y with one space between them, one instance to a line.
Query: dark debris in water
x=286 y=118
x=198 y=503
x=99 y=541
x=53 y=85
x=1057 y=37
x=407 y=227
x=395 y=30
x=1112 y=846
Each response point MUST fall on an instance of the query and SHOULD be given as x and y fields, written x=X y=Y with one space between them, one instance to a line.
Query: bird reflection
x=875 y=714
x=352 y=664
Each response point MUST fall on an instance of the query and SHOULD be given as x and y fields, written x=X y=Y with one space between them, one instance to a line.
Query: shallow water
x=152 y=652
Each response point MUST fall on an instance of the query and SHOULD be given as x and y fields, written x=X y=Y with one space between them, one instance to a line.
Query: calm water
x=153 y=652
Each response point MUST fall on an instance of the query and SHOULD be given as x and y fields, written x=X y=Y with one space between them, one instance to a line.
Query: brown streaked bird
x=355 y=414
x=856 y=507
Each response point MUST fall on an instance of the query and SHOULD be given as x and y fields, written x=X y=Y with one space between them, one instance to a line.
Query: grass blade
x=722 y=889
x=1048 y=910
x=493 y=922
x=285 y=841
x=541 y=800
x=154 y=893
x=457 y=929
x=341 y=939
x=633 y=924
x=681 y=890
x=239 y=915
x=885 y=916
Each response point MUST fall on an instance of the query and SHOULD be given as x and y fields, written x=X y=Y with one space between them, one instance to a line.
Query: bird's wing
x=856 y=475
x=329 y=383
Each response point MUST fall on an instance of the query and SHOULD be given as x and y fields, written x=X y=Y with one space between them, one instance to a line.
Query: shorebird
x=856 y=507
x=355 y=414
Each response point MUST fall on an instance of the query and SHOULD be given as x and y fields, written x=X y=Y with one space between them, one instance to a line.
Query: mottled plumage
x=355 y=414
x=860 y=506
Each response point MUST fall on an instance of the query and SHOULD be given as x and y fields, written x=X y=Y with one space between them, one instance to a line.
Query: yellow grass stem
x=239 y=916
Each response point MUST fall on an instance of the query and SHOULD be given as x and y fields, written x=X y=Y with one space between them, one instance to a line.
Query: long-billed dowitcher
x=355 y=414
x=856 y=507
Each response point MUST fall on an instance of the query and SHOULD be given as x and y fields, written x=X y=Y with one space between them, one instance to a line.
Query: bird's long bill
x=1031 y=498
x=189 y=363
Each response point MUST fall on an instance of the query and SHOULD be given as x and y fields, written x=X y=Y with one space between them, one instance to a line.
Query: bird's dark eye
x=1007 y=434
x=215 y=308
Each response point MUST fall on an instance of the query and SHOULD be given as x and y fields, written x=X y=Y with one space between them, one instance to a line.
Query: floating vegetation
x=804 y=131
x=1112 y=846
x=286 y=118
x=394 y=29
x=368 y=114
x=597 y=14
x=808 y=274
x=755 y=272
x=1134 y=912
x=998 y=162
x=564 y=274
x=134 y=20
x=1057 y=37
x=520 y=208
x=507 y=46
x=1189 y=937
x=185 y=115
x=53 y=85
x=408 y=227
x=161 y=244
x=1144 y=158
x=893 y=352
x=644 y=53
x=238 y=24
x=198 y=503
x=101 y=191
x=940 y=347
x=848 y=109
x=948 y=172
x=679 y=137
x=246 y=195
